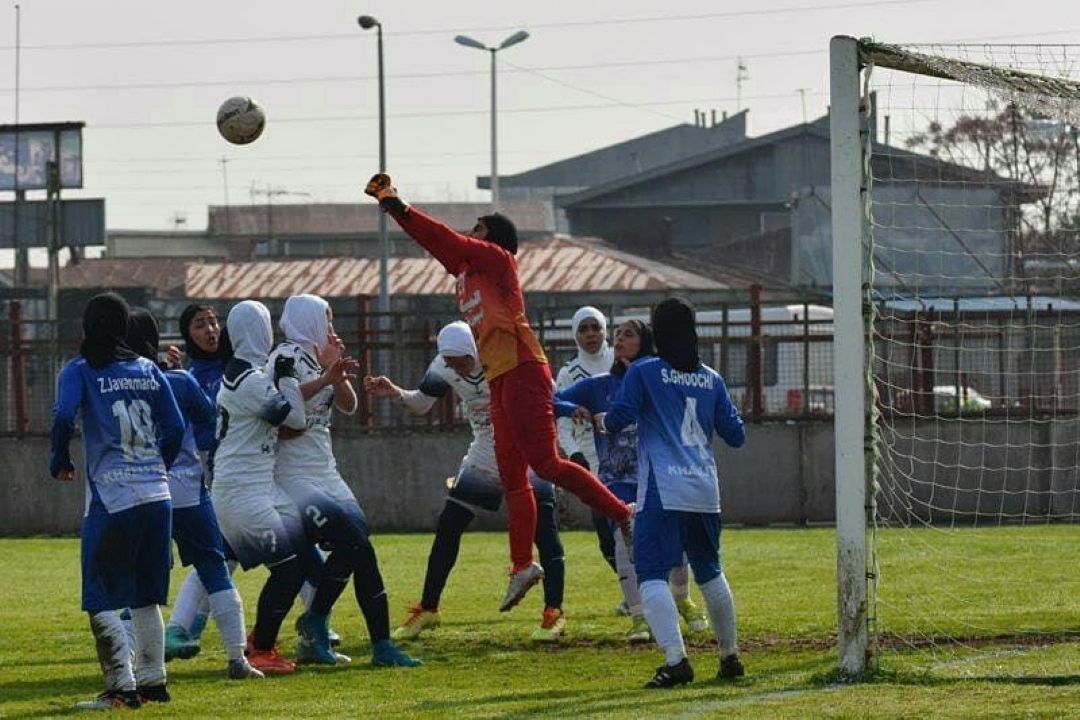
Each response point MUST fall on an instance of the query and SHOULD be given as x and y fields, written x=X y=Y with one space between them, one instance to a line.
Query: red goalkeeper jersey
x=488 y=292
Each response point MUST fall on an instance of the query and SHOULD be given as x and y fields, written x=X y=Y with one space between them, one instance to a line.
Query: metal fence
x=777 y=359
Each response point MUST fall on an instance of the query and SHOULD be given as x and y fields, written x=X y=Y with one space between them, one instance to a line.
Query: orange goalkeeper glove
x=380 y=188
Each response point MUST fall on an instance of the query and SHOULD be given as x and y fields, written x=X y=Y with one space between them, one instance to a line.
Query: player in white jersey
x=260 y=524
x=457 y=368
x=307 y=471
x=594 y=357
x=194 y=526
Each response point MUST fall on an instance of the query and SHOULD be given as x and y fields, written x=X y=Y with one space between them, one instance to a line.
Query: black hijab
x=501 y=231
x=675 y=330
x=191 y=347
x=105 y=323
x=647 y=347
x=143 y=336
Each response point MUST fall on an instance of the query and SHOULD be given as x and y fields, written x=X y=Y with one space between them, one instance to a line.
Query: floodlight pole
x=494 y=138
x=518 y=37
x=367 y=22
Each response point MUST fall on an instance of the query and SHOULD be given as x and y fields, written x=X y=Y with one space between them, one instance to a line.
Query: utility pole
x=225 y=185
x=742 y=74
x=802 y=97
x=22 y=254
x=270 y=193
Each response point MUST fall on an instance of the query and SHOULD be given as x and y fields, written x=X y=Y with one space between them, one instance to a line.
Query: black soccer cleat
x=154 y=693
x=730 y=667
x=671 y=675
x=112 y=700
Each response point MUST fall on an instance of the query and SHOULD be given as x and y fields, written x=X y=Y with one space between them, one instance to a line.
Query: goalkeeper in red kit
x=491 y=302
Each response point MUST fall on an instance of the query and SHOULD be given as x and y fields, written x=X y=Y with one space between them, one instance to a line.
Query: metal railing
x=777 y=359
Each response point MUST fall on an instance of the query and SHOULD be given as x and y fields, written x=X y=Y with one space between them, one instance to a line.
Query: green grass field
x=481 y=664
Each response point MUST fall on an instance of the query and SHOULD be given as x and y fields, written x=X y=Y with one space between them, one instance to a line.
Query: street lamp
x=518 y=37
x=367 y=22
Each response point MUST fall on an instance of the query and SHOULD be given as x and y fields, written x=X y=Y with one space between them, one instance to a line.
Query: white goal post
x=956 y=291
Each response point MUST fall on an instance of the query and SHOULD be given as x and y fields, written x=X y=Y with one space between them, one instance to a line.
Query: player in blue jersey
x=132 y=430
x=616 y=458
x=207 y=348
x=678 y=404
x=261 y=525
x=456 y=369
x=194 y=527
x=307 y=471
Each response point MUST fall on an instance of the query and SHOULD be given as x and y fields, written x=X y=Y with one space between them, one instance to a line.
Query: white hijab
x=601 y=360
x=456 y=340
x=304 y=321
x=250 y=332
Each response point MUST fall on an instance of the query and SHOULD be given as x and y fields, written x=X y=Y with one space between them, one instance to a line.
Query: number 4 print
x=692 y=435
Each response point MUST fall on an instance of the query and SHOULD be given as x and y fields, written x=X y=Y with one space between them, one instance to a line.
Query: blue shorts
x=476 y=489
x=126 y=558
x=198 y=538
x=662 y=537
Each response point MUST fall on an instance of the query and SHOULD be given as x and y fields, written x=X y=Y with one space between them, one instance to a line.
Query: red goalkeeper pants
x=524 y=425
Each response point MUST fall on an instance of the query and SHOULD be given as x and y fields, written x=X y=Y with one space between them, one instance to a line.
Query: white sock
x=721 y=607
x=680 y=581
x=307 y=594
x=228 y=613
x=627 y=577
x=113 y=650
x=149 y=645
x=188 y=601
x=663 y=619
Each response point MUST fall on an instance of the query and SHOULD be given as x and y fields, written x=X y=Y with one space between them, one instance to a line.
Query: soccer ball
x=240 y=120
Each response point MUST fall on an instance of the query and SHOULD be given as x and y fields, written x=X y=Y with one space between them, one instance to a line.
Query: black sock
x=371 y=594
x=444 y=552
x=605 y=537
x=552 y=556
x=332 y=581
x=276 y=599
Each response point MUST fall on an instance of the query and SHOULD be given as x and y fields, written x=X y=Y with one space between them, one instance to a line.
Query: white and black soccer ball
x=240 y=120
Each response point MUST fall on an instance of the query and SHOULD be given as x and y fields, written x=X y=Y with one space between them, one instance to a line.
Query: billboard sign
x=82 y=222
x=25 y=151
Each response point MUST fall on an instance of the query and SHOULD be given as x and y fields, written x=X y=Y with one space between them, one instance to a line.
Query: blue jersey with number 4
x=132 y=428
x=677 y=414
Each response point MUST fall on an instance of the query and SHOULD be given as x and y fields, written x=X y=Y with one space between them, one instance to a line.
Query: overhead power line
x=764 y=12
x=411 y=75
x=439 y=113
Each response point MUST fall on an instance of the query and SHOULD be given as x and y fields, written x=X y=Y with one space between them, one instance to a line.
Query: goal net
x=970 y=299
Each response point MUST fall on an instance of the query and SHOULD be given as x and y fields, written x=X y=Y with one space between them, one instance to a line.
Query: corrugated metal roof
x=557 y=264
x=164 y=276
x=530 y=216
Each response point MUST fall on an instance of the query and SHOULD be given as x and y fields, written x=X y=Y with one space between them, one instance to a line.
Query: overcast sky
x=147 y=78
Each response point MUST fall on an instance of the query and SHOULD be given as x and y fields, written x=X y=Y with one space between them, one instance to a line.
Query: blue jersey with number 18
x=677 y=414
x=129 y=420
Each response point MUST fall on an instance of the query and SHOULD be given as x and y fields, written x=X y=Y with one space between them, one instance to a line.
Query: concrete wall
x=783 y=475
x=942 y=471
